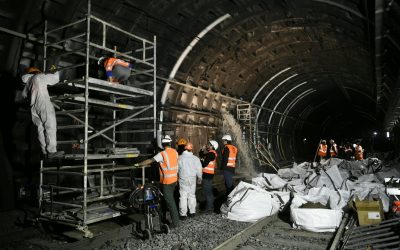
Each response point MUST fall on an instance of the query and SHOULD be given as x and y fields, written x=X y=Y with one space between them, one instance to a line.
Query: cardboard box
x=369 y=211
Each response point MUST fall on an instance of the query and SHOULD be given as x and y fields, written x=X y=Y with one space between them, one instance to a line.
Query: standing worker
x=359 y=152
x=333 y=151
x=189 y=170
x=117 y=70
x=209 y=163
x=348 y=151
x=43 y=114
x=181 y=145
x=228 y=162
x=322 y=150
x=168 y=160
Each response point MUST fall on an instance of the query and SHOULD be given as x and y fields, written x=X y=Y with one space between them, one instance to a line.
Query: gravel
x=204 y=231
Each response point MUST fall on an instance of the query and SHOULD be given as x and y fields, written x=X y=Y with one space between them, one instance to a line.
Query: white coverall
x=189 y=168
x=43 y=114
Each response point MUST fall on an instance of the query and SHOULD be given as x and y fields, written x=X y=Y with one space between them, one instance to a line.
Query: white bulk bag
x=249 y=203
x=314 y=219
x=269 y=181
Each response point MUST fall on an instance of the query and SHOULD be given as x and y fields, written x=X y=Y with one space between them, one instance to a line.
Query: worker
x=189 y=169
x=359 y=152
x=42 y=110
x=181 y=145
x=348 y=151
x=228 y=162
x=117 y=70
x=322 y=150
x=333 y=148
x=208 y=157
x=168 y=159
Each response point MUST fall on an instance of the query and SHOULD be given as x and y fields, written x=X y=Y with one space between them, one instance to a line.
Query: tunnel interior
x=315 y=69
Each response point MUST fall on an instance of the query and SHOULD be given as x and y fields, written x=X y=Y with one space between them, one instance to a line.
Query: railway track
x=274 y=233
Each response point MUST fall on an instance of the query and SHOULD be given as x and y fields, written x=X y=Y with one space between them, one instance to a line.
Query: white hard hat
x=101 y=59
x=166 y=139
x=227 y=137
x=214 y=144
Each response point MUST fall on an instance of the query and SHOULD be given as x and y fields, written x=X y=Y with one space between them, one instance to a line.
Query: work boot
x=191 y=215
x=182 y=217
x=56 y=155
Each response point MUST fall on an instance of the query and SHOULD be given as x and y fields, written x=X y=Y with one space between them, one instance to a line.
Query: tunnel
x=307 y=70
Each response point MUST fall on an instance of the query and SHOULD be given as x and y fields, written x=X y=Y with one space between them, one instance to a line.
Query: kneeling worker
x=117 y=70
x=168 y=160
x=189 y=168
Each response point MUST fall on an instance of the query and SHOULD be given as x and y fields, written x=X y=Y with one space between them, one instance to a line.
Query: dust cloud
x=245 y=166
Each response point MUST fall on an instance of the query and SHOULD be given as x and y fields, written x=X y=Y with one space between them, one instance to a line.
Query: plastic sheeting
x=334 y=183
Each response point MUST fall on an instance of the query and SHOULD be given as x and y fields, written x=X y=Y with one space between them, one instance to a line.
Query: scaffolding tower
x=101 y=125
x=247 y=117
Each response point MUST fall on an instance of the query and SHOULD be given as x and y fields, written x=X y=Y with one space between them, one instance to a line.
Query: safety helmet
x=214 y=144
x=189 y=146
x=323 y=141
x=227 y=138
x=101 y=60
x=182 y=141
x=32 y=70
x=166 y=139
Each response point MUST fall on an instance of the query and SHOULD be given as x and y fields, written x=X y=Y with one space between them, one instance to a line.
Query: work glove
x=53 y=68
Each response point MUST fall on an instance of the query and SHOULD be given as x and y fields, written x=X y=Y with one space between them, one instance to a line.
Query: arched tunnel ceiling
x=330 y=46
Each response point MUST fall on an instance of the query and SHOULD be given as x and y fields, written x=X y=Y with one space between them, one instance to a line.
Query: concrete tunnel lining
x=310 y=67
x=249 y=26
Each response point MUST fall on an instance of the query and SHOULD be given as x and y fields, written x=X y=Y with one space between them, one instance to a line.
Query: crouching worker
x=117 y=70
x=168 y=160
x=189 y=170
x=43 y=113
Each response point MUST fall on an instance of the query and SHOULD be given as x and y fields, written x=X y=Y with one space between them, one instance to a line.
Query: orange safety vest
x=110 y=62
x=212 y=165
x=333 y=150
x=169 y=166
x=322 y=150
x=359 y=153
x=232 y=155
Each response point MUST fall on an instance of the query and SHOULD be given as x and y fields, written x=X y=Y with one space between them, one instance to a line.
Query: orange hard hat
x=182 y=141
x=189 y=146
x=32 y=70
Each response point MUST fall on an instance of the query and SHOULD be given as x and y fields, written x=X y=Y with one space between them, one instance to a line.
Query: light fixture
x=387 y=134
x=375 y=133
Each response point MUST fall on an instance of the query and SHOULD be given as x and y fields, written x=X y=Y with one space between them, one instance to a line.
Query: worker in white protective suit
x=43 y=114
x=189 y=169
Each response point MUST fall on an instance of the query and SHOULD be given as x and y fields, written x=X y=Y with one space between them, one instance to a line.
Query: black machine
x=146 y=200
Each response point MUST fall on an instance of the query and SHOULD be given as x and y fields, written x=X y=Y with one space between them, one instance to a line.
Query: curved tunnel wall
x=328 y=46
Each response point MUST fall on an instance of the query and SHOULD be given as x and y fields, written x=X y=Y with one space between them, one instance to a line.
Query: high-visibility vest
x=212 y=165
x=232 y=155
x=333 y=150
x=322 y=150
x=359 y=153
x=169 y=166
x=110 y=62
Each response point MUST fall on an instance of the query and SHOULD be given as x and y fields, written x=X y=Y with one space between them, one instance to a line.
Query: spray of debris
x=246 y=164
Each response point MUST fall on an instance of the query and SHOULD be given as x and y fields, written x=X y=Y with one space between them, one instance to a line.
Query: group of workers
x=42 y=110
x=349 y=151
x=186 y=166
x=190 y=170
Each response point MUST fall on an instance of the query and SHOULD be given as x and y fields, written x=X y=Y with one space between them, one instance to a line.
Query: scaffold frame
x=77 y=212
